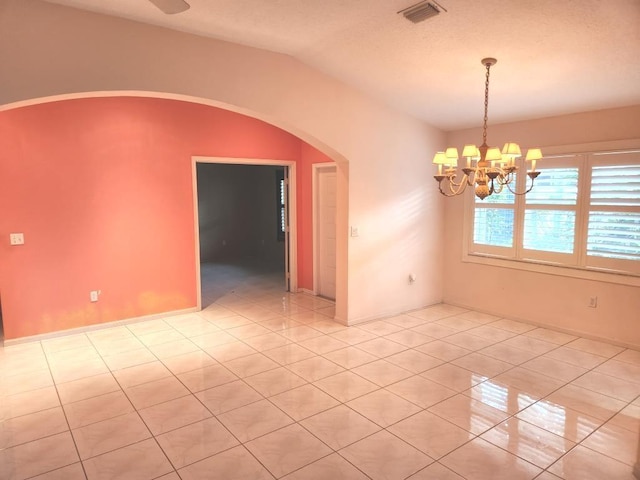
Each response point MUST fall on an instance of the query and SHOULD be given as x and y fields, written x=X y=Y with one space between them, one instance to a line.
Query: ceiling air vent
x=421 y=11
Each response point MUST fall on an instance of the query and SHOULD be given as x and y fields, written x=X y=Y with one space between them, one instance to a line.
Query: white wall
x=551 y=300
x=385 y=188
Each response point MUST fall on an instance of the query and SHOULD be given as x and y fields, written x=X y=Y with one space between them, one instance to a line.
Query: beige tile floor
x=262 y=385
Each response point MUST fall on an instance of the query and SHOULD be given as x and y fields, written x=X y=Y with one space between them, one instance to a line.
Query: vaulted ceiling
x=554 y=57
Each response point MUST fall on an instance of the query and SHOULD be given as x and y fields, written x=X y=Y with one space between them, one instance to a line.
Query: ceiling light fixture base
x=489 y=62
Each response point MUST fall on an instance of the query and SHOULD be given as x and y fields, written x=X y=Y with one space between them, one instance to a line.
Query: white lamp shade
x=493 y=155
x=452 y=154
x=440 y=159
x=471 y=151
x=533 y=154
x=511 y=150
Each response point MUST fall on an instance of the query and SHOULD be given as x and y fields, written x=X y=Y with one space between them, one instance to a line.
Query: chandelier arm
x=458 y=188
x=473 y=174
x=465 y=181
x=447 y=194
x=455 y=188
x=452 y=182
x=527 y=190
x=453 y=192
x=504 y=179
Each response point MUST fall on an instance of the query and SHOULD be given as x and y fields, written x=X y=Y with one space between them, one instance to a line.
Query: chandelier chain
x=486 y=105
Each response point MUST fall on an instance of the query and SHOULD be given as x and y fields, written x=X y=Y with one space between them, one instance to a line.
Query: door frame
x=315 y=191
x=292 y=217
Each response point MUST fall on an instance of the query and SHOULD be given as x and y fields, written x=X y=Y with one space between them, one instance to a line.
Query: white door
x=326 y=232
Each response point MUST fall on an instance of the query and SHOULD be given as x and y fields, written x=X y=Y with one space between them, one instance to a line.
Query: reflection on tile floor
x=262 y=384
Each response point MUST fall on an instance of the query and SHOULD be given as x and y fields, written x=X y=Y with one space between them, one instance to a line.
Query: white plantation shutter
x=549 y=231
x=614 y=235
x=493 y=223
x=613 y=231
x=555 y=186
x=493 y=226
x=550 y=212
x=617 y=185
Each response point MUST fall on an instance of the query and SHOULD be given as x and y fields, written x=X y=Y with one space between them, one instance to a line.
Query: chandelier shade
x=488 y=169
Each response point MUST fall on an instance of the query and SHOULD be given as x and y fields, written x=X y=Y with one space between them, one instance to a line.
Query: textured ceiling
x=554 y=57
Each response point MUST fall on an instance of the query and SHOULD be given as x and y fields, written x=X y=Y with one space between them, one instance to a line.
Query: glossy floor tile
x=385 y=456
x=262 y=384
x=481 y=460
x=340 y=426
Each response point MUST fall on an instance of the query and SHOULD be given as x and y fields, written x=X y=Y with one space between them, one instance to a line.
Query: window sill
x=551 y=269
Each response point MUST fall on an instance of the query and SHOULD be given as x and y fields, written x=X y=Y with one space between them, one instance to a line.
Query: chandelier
x=488 y=169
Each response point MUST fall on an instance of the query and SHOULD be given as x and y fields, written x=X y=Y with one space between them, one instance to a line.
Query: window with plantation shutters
x=494 y=220
x=550 y=212
x=613 y=229
x=584 y=213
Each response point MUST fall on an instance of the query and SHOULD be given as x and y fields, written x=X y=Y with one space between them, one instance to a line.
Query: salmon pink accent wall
x=102 y=190
x=382 y=154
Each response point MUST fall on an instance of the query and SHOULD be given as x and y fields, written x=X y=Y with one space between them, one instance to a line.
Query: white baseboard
x=306 y=290
x=568 y=331
x=388 y=314
x=99 y=326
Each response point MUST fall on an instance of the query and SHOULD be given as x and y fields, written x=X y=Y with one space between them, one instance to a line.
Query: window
x=584 y=212
x=493 y=221
x=613 y=225
x=549 y=231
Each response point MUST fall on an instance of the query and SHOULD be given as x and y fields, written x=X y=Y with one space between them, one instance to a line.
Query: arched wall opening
x=101 y=186
x=383 y=189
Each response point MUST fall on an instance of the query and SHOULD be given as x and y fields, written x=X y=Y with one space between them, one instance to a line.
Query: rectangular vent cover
x=421 y=11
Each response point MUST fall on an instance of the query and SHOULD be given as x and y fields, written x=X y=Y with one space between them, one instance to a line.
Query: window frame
x=580 y=265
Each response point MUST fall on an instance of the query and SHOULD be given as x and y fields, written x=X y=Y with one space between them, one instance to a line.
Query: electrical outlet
x=355 y=232
x=16 y=238
x=412 y=278
x=593 y=302
x=93 y=295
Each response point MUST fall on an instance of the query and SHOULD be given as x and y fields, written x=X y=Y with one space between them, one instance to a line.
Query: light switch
x=16 y=238
x=355 y=232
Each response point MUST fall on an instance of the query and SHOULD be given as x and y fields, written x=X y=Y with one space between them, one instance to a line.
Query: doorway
x=244 y=225
x=325 y=208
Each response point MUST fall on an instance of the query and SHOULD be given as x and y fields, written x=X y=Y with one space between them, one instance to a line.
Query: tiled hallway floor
x=263 y=384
